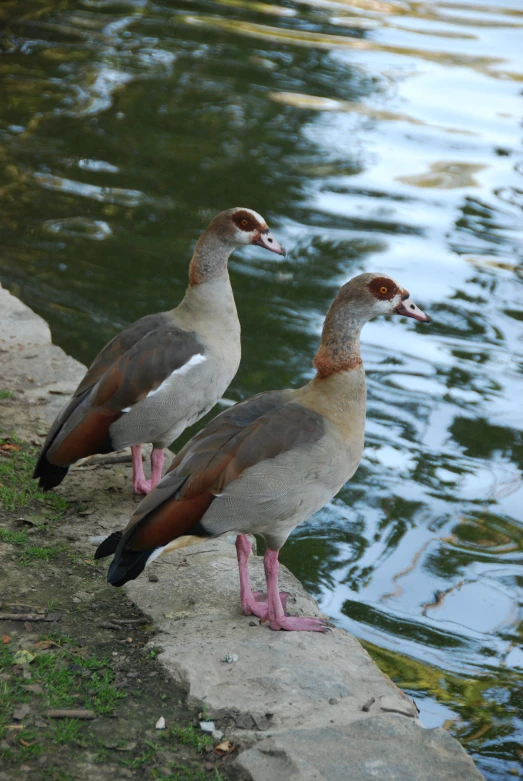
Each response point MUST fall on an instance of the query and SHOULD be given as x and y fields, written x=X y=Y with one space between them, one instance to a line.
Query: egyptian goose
x=164 y=371
x=268 y=463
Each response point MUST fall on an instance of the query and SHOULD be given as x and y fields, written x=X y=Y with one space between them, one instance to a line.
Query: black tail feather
x=109 y=545
x=48 y=475
x=127 y=565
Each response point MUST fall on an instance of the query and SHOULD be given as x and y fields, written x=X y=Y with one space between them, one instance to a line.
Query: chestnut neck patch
x=383 y=288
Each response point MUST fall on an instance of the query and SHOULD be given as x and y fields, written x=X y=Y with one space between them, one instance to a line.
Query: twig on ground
x=29 y=616
x=108 y=625
x=70 y=714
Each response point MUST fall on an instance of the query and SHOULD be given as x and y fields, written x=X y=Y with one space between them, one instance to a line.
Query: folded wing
x=261 y=428
x=133 y=365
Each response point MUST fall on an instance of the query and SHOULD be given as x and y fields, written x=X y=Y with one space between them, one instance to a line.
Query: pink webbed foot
x=275 y=613
x=142 y=486
x=258 y=606
x=297 y=624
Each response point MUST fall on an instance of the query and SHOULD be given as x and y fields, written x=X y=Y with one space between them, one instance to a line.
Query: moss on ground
x=91 y=654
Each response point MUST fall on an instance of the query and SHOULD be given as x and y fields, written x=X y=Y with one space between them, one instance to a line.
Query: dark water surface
x=375 y=135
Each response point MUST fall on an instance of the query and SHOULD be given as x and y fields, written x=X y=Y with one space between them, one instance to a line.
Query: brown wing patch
x=173 y=519
x=383 y=288
x=90 y=436
x=245 y=221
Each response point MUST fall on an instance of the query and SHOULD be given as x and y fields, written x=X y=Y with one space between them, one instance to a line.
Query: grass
x=19 y=492
x=17 y=487
x=71 y=674
x=6 y=394
x=69 y=678
x=27 y=552
x=188 y=736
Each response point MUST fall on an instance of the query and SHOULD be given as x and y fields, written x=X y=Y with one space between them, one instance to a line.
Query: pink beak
x=265 y=239
x=409 y=309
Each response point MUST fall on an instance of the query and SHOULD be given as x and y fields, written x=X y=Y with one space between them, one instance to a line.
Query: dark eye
x=244 y=222
x=384 y=290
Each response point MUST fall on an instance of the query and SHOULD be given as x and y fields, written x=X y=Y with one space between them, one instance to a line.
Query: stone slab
x=382 y=747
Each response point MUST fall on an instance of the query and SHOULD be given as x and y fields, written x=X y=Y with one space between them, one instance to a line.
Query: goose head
x=245 y=226
x=370 y=295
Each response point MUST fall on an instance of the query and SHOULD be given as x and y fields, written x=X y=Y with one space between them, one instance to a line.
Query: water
x=373 y=135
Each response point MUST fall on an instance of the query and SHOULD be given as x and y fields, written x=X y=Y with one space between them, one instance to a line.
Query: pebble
x=153 y=578
x=130 y=746
x=217 y=734
x=22 y=711
x=83 y=596
x=160 y=724
x=333 y=701
x=230 y=658
x=207 y=726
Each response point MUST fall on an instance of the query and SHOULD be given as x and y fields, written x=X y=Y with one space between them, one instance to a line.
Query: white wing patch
x=185 y=369
x=180 y=542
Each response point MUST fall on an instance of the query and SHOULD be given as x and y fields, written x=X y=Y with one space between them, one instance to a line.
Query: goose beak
x=408 y=308
x=267 y=241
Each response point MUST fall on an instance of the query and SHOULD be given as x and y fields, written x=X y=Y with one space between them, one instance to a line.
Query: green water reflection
x=372 y=135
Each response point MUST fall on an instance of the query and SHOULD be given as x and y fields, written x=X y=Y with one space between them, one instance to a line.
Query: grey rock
x=83 y=596
x=383 y=747
x=230 y=658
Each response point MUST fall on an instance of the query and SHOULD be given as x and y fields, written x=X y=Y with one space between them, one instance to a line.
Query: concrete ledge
x=294 y=702
x=382 y=747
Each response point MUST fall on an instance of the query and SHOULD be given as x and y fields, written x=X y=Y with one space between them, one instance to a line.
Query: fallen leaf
x=32 y=520
x=23 y=657
x=5 y=639
x=224 y=748
x=27 y=744
x=34 y=688
x=5 y=446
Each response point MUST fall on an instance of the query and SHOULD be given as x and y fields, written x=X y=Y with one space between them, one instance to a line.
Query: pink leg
x=157 y=459
x=140 y=484
x=252 y=604
x=275 y=613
